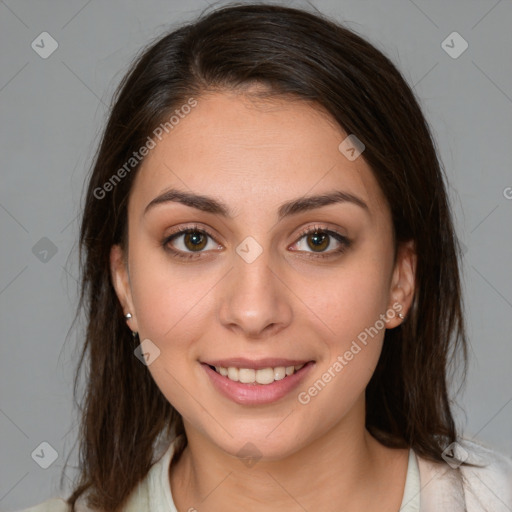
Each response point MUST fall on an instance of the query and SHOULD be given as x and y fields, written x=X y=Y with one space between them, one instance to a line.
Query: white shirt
x=429 y=486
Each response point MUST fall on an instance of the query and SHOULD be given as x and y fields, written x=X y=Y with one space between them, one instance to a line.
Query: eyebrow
x=217 y=207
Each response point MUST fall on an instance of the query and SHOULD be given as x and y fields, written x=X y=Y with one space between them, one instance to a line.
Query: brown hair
x=298 y=55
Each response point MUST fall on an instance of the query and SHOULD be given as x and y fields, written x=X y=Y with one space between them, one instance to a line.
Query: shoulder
x=142 y=497
x=51 y=505
x=489 y=478
x=138 y=501
x=473 y=475
x=484 y=454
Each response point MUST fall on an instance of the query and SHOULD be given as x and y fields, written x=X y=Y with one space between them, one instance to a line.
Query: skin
x=254 y=156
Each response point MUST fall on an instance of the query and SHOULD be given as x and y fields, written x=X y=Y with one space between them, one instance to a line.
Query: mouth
x=257 y=386
x=262 y=376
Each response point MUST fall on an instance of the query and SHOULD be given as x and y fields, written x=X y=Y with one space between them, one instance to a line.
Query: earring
x=128 y=316
x=401 y=316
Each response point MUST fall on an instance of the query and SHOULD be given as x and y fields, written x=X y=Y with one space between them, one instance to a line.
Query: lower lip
x=256 y=394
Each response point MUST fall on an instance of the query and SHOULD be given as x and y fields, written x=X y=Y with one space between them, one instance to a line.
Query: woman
x=271 y=278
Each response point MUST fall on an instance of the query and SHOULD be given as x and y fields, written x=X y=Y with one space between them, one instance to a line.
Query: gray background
x=52 y=112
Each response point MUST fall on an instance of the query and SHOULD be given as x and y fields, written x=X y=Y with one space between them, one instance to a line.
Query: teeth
x=262 y=376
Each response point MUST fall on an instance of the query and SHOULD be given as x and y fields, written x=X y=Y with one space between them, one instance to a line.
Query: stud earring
x=128 y=316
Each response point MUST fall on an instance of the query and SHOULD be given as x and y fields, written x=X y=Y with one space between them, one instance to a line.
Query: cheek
x=168 y=297
x=171 y=308
x=349 y=299
x=350 y=305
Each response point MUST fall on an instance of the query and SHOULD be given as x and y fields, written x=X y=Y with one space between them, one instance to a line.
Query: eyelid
x=183 y=228
x=325 y=229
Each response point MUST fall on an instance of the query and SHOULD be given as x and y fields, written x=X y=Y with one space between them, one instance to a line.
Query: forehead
x=254 y=154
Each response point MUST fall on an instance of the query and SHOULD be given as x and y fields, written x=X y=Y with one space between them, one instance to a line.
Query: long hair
x=302 y=56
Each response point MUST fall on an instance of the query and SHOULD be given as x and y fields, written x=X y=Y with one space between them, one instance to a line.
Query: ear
x=402 y=288
x=121 y=282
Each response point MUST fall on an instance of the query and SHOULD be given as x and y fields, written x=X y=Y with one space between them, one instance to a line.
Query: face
x=257 y=269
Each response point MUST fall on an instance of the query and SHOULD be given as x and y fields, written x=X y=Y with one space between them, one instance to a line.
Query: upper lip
x=268 y=362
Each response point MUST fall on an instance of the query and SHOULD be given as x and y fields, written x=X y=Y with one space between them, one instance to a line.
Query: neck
x=347 y=465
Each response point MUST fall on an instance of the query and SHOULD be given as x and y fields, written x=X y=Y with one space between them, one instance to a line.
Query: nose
x=254 y=299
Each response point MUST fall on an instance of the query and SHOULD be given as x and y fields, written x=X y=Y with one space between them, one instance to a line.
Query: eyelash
x=343 y=240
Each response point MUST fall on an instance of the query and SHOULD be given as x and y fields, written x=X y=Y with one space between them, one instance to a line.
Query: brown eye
x=318 y=241
x=189 y=242
x=195 y=240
